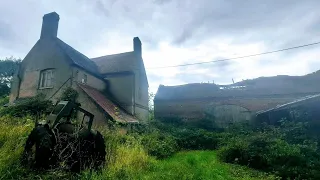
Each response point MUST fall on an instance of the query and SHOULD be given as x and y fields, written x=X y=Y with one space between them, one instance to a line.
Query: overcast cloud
x=176 y=32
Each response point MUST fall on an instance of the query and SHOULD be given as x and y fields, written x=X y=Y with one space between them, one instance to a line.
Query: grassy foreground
x=127 y=161
x=200 y=165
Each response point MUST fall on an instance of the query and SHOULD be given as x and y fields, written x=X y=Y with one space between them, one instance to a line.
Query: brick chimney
x=137 y=46
x=50 y=25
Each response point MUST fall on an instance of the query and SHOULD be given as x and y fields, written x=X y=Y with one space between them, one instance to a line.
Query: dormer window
x=46 y=79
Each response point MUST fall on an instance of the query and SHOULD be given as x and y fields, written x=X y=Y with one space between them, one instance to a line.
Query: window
x=47 y=78
x=84 y=80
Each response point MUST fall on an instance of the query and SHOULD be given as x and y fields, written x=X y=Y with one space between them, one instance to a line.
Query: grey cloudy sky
x=176 y=32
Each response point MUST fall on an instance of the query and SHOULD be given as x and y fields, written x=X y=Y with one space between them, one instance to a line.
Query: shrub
x=269 y=151
x=159 y=145
x=34 y=106
x=188 y=139
x=4 y=100
x=69 y=94
x=4 y=90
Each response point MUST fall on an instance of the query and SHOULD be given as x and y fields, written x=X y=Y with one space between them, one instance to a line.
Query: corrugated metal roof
x=108 y=106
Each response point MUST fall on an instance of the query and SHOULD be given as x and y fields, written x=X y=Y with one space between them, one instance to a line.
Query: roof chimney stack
x=137 y=46
x=50 y=25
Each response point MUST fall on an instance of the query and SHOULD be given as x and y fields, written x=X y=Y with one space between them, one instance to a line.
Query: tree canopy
x=8 y=66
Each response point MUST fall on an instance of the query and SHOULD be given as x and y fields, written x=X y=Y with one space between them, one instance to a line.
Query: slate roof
x=78 y=58
x=115 y=62
x=108 y=106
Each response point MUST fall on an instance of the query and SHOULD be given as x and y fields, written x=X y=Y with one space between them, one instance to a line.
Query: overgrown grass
x=126 y=157
x=184 y=165
x=200 y=165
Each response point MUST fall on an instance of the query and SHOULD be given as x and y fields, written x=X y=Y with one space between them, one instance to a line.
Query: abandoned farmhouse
x=111 y=87
x=115 y=87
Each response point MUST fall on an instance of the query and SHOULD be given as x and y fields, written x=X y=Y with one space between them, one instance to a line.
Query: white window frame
x=46 y=79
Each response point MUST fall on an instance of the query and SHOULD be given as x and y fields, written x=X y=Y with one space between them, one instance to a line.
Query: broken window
x=47 y=78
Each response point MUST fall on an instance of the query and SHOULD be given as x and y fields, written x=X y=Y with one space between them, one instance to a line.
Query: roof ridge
x=111 y=55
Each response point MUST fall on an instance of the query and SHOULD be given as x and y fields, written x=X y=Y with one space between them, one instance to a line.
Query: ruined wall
x=194 y=109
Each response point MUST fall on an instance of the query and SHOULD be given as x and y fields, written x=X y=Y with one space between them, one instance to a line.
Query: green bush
x=186 y=138
x=4 y=100
x=159 y=145
x=4 y=90
x=270 y=151
x=34 y=106
x=195 y=139
x=69 y=94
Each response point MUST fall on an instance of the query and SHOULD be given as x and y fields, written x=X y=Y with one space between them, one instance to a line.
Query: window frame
x=43 y=79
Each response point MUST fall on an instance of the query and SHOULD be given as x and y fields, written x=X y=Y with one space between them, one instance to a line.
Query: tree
x=151 y=107
x=151 y=97
x=8 y=67
x=4 y=90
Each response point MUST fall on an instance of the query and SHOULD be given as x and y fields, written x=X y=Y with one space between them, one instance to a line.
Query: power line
x=241 y=57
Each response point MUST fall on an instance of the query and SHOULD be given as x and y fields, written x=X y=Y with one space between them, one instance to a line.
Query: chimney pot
x=50 y=25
